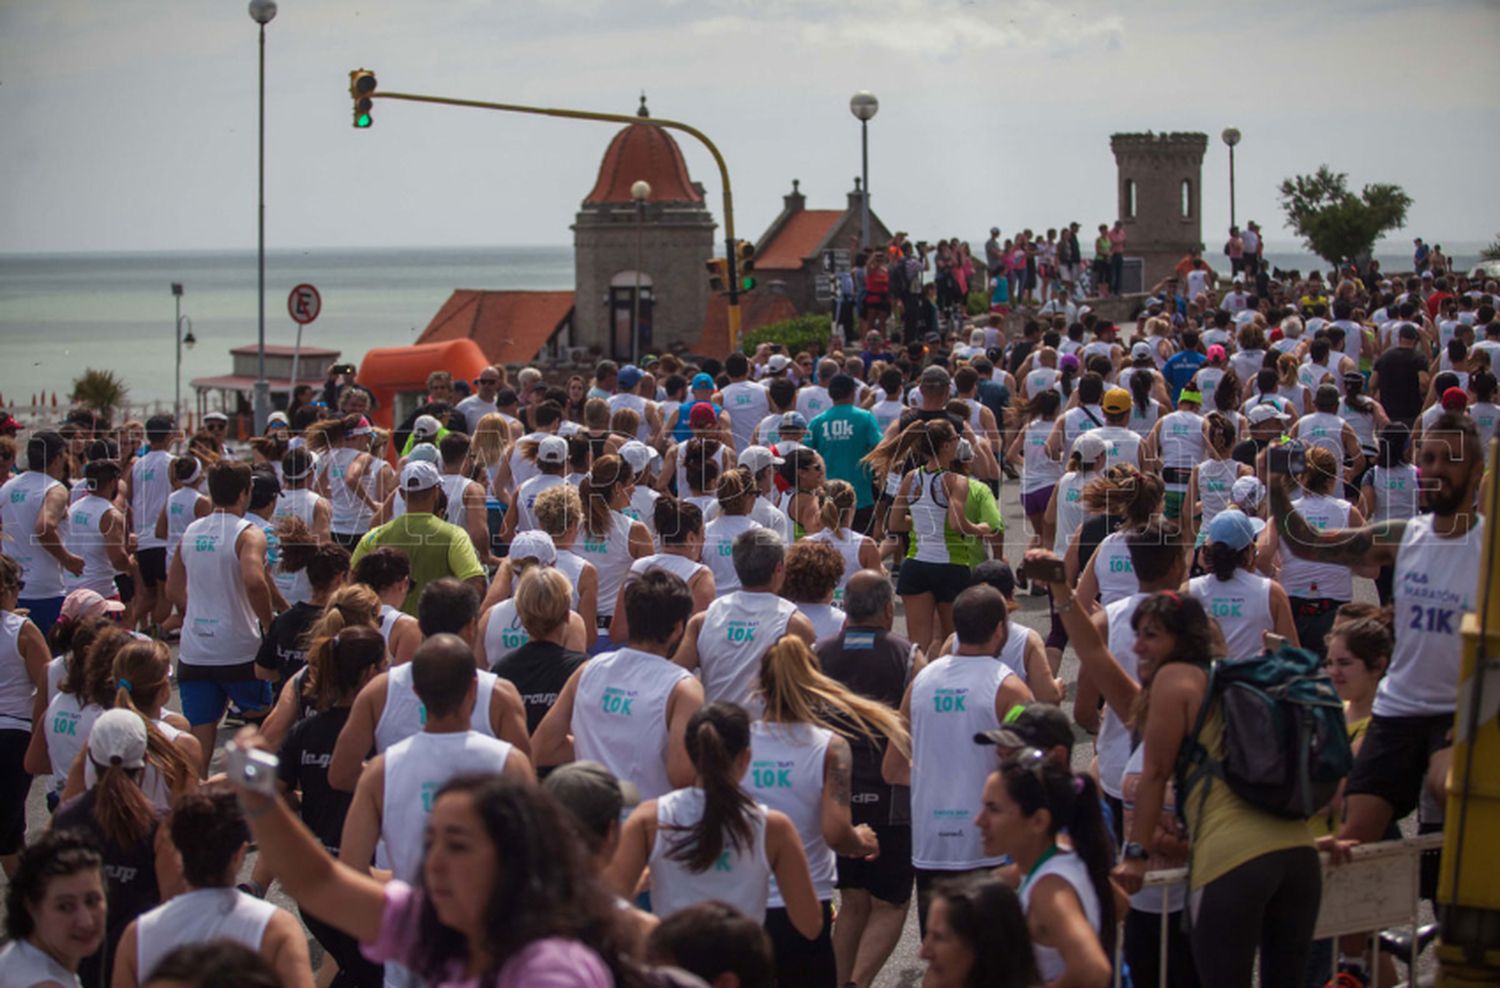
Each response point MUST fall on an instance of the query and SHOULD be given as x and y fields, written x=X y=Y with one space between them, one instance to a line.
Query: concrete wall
x=674 y=244
x=1155 y=166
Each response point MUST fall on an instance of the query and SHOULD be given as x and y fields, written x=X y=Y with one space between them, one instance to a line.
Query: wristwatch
x=1134 y=852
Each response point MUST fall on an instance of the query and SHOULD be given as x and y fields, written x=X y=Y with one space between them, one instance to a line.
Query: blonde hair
x=140 y=669
x=795 y=691
x=838 y=501
x=544 y=598
x=487 y=445
x=625 y=422
x=596 y=414
x=351 y=606
x=595 y=490
x=558 y=509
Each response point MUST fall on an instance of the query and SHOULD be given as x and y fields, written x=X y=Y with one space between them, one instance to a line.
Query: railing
x=1379 y=887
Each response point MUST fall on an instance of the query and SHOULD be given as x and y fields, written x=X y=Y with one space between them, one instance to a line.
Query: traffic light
x=362 y=90
x=718 y=273
x=744 y=260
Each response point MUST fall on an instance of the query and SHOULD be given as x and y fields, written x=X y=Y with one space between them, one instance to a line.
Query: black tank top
x=875 y=664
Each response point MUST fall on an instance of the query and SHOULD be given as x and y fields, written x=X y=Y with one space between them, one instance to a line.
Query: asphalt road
x=904 y=967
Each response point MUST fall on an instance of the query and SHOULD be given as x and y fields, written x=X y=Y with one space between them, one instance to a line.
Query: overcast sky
x=130 y=125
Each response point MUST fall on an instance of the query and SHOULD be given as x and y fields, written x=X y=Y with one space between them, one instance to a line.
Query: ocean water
x=61 y=313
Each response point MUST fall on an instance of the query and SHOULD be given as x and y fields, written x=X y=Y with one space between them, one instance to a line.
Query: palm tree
x=101 y=390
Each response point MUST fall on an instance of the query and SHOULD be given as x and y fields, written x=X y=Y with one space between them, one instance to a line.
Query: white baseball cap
x=552 y=449
x=1263 y=412
x=118 y=737
x=777 y=363
x=419 y=475
x=534 y=544
x=216 y=417
x=638 y=455
x=1141 y=351
x=1247 y=492
x=757 y=458
x=1089 y=447
x=426 y=426
x=424 y=453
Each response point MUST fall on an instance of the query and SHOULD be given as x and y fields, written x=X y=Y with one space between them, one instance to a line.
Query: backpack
x=1286 y=747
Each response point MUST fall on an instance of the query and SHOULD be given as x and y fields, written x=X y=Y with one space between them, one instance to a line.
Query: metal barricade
x=1379 y=887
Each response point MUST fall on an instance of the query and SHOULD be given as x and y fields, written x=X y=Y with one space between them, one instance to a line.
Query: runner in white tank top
x=619 y=716
x=1214 y=480
x=1113 y=743
x=404 y=716
x=786 y=773
x=848 y=543
x=741 y=877
x=415 y=769
x=21 y=501
x=526 y=497
x=1070 y=512
x=22 y=963
x=503 y=631
x=199 y=916
x=182 y=511
x=736 y=631
x=1242 y=607
x=1305 y=578
x=1113 y=570
x=1396 y=492
x=718 y=549
x=610 y=555
x=351 y=516
x=1038 y=470
x=150 y=484
x=65 y=728
x=84 y=537
x=1070 y=868
x=220 y=628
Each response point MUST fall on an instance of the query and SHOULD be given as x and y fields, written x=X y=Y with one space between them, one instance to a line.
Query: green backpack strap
x=1193 y=761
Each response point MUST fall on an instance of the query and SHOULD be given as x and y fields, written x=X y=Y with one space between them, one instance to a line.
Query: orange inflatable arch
x=397 y=376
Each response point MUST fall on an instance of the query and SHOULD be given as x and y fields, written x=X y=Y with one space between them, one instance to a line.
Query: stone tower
x=668 y=240
x=1160 y=195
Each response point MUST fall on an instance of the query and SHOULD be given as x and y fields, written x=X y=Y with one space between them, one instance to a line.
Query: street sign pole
x=303 y=305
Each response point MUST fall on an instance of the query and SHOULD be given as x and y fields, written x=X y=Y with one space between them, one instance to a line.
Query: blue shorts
x=43 y=611
x=203 y=700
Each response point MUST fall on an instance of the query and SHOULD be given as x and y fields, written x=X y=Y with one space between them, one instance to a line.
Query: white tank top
x=1397 y=491
x=23 y=965
x=718 y=549
x=1113 y=743
x=1070 y=509
x=1208 y=379
x=952 y=699
x=848 y=544
x=1436 y=581
x=609 y=555
x=1113 y=569
x=1076 y=421
x=1039 y=379
x=415 y=769
x=1071 y=869
x=65 y=728
x=826 y=619
x=642 y=508
x=1013 y=652
x=388 y=617
x=1241 y=605
x=927 y=506
x=636 y=404
x=682 y=479
x=299 y=503
x=350 y=514
x=1180 y=441
x=741 y=877
x=150 y=483
x=1121 y=445
x=572 y=566
x=17 y=691
x=747 y=403
x=1304 y=578
x=737 y=630
x=199 y=916
x=526 y=498
x=503 y=630
x=404 y=715
x=21 y=500
x=1148 y=900
x=1215 y=483
x=219 y=628
x=1141 y=422
x=1363 y=424
x=454 y=486
x=84 y=538
x=1486 y=414
x=786 y=774
x=1325 y=430
x=681 y=567
x=153 y=782
x=1038 y=470
x=1311 y=375
x=182 y=506
x=620 y=716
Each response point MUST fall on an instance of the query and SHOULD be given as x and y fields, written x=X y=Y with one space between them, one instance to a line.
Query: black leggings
x=1143 y=951
x=799 y=961
x=15 y=784
x=1268 y=904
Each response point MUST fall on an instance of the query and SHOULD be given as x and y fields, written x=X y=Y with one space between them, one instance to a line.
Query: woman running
x=1213 y=478
x=387 y=571
x=344 y=469
x=836 y=513
x=812 y=576
x=1065 y=513
x=1246 y=604
x=803 y=473
x=679 y=528
x=977 y=937
x=86 y=691
x=24 y=671
x=737 y=495
x=1039 y=472
x=700 y=469
x=1122 y=501
x=354 y=606
x=501 y=629
x=611 y=541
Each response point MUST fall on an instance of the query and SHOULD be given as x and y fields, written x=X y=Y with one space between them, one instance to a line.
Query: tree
x=100 y=390
x=1492 y=252
x=1335 y=223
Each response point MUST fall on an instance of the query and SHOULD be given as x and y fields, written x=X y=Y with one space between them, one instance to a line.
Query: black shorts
x=153 y=566
x=15 y=783
x=125 y=587
x=800 y=962
x=887 y=878
x=945 y=581
x=349 y=540
x=1392 y=760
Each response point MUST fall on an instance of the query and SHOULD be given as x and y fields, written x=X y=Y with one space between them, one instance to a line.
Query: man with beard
x=1436 y=561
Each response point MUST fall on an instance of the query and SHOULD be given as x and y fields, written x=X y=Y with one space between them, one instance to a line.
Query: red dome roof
x=643 y=151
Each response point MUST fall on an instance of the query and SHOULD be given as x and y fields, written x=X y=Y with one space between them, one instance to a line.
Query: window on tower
x=1187 y=198
x=1130 y=198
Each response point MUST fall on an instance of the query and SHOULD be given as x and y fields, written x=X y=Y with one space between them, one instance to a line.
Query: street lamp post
x=262 y=12
x=864 y=105
x=183 y=340
x=1231 y=137
x=640 y=191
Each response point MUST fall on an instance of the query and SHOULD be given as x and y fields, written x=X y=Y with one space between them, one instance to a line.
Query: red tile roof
x=756 y=310
x=510 y=327
x=797 y=239
x=643 y=151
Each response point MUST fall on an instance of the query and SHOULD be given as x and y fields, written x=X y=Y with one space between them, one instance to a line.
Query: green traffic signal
x=747 y=283
x=362 y=120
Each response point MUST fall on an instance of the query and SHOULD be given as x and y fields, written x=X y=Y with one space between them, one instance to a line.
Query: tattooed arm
x=1369 y=545
x=839 y=830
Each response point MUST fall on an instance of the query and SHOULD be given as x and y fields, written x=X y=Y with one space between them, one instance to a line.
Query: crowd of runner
x=594 y=682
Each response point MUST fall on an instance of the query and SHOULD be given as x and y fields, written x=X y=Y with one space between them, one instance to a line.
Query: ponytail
x=1124 y=492
x=140 y=670
x=1140 y=390
x=1043 y=406
x=124 y=815
x=796 y=691
x=298 y=544
x=350 y=607
x=838 y=501
x=595 y=490
x=716 y=736
x=89 y=677
x=1223 y=560
x=1354 y=394
x=1065 y=381
x=700 y=464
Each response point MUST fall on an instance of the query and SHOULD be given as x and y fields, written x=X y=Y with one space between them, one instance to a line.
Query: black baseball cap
x=1031 y=725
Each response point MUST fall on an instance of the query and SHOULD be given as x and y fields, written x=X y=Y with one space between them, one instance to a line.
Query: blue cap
x=1231 y=527
x=702 y=382
x=793 y=420
x=629 y=376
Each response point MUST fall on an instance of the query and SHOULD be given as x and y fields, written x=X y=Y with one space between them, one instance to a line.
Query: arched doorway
x=628 y=339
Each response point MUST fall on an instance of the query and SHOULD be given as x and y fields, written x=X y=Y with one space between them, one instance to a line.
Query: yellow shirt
x=1227 y=831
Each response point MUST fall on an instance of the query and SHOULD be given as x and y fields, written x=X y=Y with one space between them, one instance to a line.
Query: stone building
x=789 y=255
x=669 y=238
x=1160 y=196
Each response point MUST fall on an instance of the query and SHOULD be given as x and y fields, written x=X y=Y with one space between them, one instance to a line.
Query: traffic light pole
x=691 y=131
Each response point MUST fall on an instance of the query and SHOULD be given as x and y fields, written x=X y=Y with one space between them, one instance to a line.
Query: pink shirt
x=1117 y=240
x=554 y=962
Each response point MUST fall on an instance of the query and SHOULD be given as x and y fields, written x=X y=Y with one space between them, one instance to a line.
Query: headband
x=197 y=472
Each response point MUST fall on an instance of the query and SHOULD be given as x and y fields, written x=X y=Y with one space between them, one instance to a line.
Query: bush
x=809 y=332
x=978 y=302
